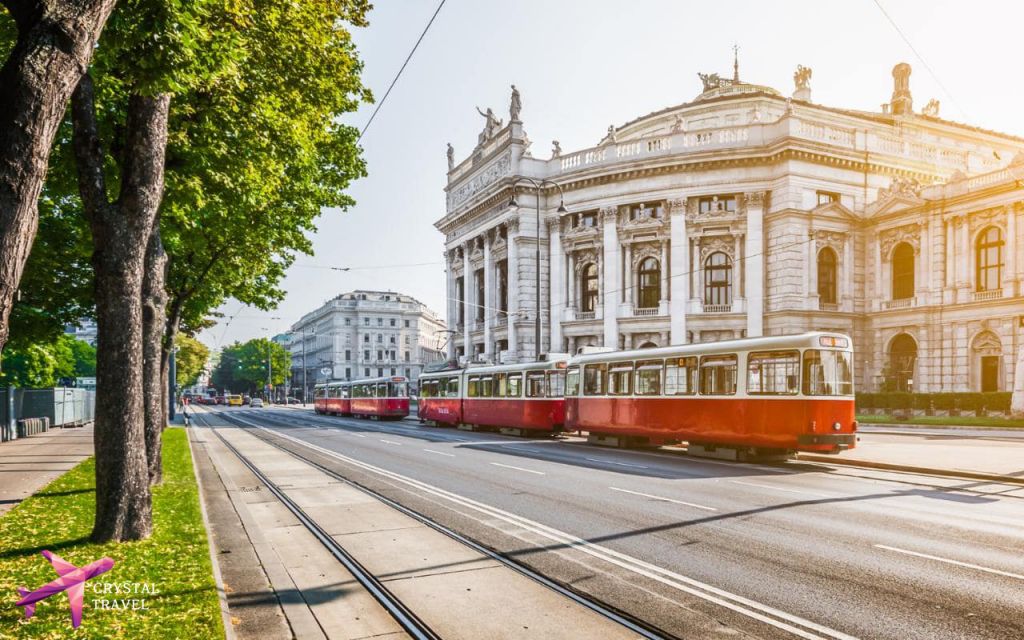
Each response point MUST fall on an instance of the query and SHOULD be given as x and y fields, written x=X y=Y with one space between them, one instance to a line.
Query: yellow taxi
x=234 y=400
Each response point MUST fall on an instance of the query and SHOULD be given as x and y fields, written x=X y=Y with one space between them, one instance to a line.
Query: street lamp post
x=561 y=209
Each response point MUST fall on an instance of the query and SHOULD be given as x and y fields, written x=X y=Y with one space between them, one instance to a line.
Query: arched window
x=989 y=259
x=649 y=283
x=902 y=272
x=902 y=357
x=588 y=287
x=827 y=276
x=718 y=279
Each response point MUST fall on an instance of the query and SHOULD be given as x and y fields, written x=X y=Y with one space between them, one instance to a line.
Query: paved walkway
x=29 y=464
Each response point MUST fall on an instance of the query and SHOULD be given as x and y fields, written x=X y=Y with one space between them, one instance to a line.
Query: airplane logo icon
x=71 y=579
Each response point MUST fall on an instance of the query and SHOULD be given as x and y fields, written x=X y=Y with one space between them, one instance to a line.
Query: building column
x=556 y=286
x=755 y=263
x=879 y=294
x=1010 y=250
x=513 y=287
x=663 y=291
x=610 y=262
x=453 y=307
x=950 y=257
x=488 y=301
x=963 y=248
x=680 y=294
x=467 y=297
x=627 y=276
x=570 y=281
x=812 y=270
x=695 y=275
x=846 y=268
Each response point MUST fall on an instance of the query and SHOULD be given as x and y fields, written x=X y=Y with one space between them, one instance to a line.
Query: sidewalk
x=29 y=464
x=953 y=455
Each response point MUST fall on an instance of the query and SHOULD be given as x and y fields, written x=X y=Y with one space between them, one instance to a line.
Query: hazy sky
x=582 y=65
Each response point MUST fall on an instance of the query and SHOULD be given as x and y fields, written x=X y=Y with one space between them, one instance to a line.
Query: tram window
x=398 y=390
x=773 y=373
x=486 y=387
x=572 y=382
x=427 y=388
x=556 y=384
x=681 y=376
x=382 y=390
x=648 y=378
x=718 y=375
x=473 y=388
x=500 y=385
x=515 y=385
x=828 y=373
x=619 y=378
x=593 y=379
x=453 y=387
x=535 y=384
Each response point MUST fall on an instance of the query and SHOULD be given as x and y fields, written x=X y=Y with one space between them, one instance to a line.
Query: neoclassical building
x=743 y=213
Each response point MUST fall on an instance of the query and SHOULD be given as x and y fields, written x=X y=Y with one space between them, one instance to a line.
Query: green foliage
x=190 y=360
x=963 y=401
x=243 y=366
x=45 y=364
x=175 y=559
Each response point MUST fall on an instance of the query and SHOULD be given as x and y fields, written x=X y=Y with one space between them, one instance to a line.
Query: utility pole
x=303 y=366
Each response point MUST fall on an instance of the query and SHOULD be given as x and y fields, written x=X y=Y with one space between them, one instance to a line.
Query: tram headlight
x=836 y=426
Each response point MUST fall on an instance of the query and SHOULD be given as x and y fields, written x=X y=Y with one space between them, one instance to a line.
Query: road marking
x=768 y=486
x=948 y=561
x=358 y=435
x=647 y=495
x=758 y=611
x=397 y=444
x=441 y=453
x=621 y=464
x=508 y=466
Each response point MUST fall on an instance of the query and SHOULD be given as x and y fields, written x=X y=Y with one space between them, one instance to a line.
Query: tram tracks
x=401 y=612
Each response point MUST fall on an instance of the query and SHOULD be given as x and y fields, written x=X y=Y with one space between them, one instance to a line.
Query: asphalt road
x=706 y=548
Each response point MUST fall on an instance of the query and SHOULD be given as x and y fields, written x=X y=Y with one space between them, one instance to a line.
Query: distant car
x=234 y=400
x=291 y=400
x=255 y=402
x=220 y=400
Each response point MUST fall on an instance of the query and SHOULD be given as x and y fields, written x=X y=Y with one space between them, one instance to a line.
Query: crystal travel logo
x=71 y=579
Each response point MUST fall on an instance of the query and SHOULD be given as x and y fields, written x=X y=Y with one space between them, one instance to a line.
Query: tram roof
x=342 y=383
x=796 y=341
x=546 y=365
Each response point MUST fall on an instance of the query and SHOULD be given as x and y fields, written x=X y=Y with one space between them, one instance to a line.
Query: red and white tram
x=386 y=397
x=769 y=395
x=526 y=397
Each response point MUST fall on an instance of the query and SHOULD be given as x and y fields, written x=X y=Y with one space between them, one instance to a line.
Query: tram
x=753 y=396
x=386 y=397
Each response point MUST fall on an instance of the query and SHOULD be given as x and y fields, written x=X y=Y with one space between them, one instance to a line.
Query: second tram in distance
x=754 y=396
x=386 y=398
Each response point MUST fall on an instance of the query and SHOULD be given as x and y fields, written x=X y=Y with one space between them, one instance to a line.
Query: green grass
x=968 y=421
x=175 y=559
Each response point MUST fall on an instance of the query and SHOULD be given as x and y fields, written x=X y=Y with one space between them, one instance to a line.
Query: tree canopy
x=47 y=363
x=243 y=365
x=190 y=360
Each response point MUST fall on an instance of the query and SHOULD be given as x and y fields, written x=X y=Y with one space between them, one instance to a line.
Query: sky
x=581 y=65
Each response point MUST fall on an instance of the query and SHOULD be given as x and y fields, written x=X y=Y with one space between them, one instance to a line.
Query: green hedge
x=972 y=401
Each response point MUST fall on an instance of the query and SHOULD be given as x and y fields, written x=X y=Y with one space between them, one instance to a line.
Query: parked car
x=220 y=400
x=235 y=400
x=291 y=400
x=255 y=402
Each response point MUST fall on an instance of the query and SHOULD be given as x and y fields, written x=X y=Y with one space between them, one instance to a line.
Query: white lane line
x=358 y=435
x=621 y=464
x=777 y=618
x=440 y=453
x=948 y=561
x=774 y=488
x=660 y=498
x=397 y=444
x=508 y=466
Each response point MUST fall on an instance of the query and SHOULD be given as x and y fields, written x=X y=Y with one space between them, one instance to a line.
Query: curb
x=904 y=425
x=225 y=614
x=949 y=473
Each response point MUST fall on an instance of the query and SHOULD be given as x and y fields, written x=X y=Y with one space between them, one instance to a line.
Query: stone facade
x=741 y=213
x=365 y=334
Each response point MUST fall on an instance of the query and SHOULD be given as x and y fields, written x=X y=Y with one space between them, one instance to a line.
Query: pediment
x=892 y=204
x=834 y=210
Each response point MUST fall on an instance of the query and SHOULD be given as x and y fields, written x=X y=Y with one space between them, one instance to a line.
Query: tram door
x=990 y=373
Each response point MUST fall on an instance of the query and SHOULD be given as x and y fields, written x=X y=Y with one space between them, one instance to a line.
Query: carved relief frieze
x=487 y=176
x=910 y=233
x=584 y=257
x=833 y=239
x=978 y=220
x=714 y=244
x=643 y=251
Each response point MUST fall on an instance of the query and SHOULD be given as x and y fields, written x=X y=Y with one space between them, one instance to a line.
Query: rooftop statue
x=556 y=149
x=802 y=77
x=491 y=125
x=451 y=157
x=931 y=109
x=515 y=106
x=710 y=80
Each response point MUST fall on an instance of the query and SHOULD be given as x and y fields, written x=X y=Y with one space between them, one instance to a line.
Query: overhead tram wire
x=927 y=66
x=399 y=74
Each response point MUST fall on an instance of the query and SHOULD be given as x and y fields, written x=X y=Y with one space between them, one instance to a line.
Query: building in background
x=365 y=334
x=744 y=213
x=85 y=330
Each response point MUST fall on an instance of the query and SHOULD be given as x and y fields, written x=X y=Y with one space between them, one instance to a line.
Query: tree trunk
x=154 y=305
x=54 y=46
x=120 y=235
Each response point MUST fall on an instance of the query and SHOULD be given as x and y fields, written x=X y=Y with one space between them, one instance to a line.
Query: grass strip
x=174 y=562
x=966 y=421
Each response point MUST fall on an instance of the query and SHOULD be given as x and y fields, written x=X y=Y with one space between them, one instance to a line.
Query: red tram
x=386 y=397
x=769 y=395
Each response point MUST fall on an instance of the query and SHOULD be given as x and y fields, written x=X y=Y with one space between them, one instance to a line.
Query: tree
x=243 y=366
x=51 y=45
x=46 y=363
x=190 y=360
